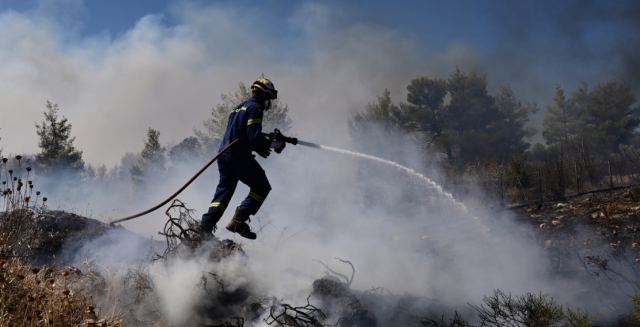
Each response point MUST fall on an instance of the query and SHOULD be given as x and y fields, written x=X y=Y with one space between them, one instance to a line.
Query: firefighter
x=239 y=164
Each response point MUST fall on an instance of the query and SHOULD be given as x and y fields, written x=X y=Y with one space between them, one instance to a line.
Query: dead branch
x=284 y=314
x=330 y=271
x=216 y=278
x=353 y=270
x=180 y=228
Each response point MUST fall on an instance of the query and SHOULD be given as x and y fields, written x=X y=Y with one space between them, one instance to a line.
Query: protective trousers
x=232 y=170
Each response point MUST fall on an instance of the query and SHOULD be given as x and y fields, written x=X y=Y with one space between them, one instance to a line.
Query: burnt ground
x=67 y=238
x=606 y=221
x=594 y=237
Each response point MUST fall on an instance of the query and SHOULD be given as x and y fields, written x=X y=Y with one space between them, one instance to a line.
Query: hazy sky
x=118 y=67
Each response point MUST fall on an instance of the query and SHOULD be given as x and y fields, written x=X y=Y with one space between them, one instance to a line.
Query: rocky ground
x=595 y=233
x=610 y=218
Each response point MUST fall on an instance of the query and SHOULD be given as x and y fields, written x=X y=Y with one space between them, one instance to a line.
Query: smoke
x=168 y=76
x=566 y=43
x=399 y=233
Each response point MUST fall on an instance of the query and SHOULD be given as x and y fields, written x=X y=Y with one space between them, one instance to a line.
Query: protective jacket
x=245 y=121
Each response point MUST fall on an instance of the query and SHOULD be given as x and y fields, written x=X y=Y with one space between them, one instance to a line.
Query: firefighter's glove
x=264 y=151
x=278 y=145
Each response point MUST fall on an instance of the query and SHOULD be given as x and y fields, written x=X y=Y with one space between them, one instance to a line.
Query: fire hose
x=276 y=136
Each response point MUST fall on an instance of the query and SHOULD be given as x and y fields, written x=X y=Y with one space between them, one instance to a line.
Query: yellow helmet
x=266 y=86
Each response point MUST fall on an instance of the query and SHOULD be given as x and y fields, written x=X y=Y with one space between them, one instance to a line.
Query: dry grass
x=46 y=297
x=29 y=296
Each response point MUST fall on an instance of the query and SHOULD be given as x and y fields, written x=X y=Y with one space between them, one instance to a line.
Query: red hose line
x=229 y=146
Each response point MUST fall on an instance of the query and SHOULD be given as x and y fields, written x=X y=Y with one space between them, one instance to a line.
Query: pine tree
x=425 y=111
x=472 y=121
x=152 y=157
x=187 y=149
x=610 y=117
x=561 y=122
x=382 y=112
x=512 y=131
x=561 y=126
x=56 y=144
x=376 y=128
x=424 y=114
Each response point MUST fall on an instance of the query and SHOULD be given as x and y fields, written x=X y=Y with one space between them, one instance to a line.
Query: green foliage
x=561 y=120
x=601 y=119
x=56 y=144
x=512 y=130
x=458 y=116
x=152 y=157
x=534 y=310
x=425 y=109
x=186 y=149
x=609 y=117
x=375 y=128
x=578 y=318
x=215 y=126
x=382 y=112
x=152 y=151
x=424 y=113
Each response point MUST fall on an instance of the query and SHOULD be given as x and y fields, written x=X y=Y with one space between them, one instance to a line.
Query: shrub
x=578 y=318
x=46 y=297
x=533 y=310
x=19 y=209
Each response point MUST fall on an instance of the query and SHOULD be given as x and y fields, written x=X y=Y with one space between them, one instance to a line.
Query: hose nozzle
x=276 y=135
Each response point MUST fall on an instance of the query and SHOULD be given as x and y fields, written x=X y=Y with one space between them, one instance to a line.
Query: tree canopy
x=57 y=151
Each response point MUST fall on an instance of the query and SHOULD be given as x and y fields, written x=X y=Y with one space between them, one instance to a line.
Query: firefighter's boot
x=208 y=225
x=239 y=224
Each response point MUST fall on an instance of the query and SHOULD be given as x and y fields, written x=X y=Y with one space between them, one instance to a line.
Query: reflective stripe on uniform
x=254 y=121
x=240 y=109
x=215 y=205
x=257 y=196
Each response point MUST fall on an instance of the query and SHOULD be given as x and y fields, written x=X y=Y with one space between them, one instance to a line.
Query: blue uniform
x=239 y=164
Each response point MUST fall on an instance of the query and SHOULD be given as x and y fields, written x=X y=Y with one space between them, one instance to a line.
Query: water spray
x=276 y=137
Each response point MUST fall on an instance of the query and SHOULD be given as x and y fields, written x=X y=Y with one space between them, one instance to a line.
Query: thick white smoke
x=168 y=77
x=399 y=233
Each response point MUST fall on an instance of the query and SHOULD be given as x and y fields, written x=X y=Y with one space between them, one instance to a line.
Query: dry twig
x=284 y=314
x=347 y=280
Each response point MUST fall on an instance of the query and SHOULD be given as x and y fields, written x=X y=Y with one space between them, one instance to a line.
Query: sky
x=127 y=65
